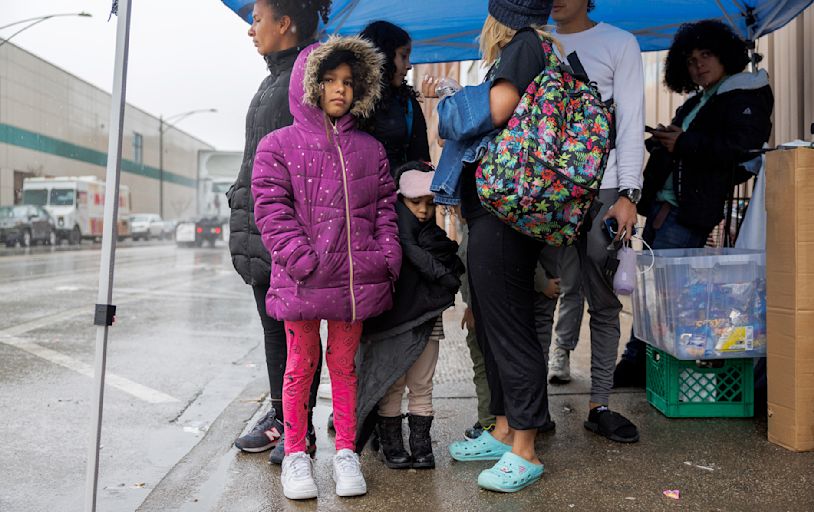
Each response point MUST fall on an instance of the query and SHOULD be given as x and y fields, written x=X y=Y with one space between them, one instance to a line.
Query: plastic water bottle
x=624 y=282
x=447 y=87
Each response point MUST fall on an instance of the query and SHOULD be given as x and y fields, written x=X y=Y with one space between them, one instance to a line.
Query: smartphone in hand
x=611 y=228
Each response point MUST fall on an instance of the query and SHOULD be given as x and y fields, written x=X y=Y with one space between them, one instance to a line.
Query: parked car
x=26 y=225
x=196 y=232
x=146 y=226
x=169 y=229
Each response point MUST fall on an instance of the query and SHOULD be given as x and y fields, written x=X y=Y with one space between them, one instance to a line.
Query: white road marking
x=45 y=321
x=122 y=384
x=54 y=318
x=184 y=295
x=9 y=335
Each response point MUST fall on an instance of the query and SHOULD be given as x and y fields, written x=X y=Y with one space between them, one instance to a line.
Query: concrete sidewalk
x=715 y=464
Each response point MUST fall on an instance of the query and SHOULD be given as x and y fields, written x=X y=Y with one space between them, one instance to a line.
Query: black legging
x=501 y=270
x=276 y=353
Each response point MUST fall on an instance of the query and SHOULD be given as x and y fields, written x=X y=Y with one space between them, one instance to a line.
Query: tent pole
x=751 y=28
x=105 y=311
x=753 y=57
x=748 y=13
x=728 y=17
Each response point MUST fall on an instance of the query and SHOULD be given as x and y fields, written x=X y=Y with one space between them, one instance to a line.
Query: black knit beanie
x=519 y=14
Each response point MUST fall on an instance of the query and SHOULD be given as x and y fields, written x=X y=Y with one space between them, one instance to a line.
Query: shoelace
x=300 y=466
x=267 y=422
x=348 y=463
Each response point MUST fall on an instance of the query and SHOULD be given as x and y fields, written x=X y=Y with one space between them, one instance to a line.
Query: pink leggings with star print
x=303 y=341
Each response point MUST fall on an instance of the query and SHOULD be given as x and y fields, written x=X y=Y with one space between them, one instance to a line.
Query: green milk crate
x=700 y=389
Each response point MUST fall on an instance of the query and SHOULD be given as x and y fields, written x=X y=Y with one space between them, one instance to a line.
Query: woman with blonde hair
x=501 y=261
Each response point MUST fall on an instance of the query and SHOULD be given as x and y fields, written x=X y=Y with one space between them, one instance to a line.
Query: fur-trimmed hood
x=304 y=91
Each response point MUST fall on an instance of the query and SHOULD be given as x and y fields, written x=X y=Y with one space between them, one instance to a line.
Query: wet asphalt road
x=178 y=355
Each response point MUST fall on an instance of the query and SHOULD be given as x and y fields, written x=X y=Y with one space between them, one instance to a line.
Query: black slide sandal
x=612 y=425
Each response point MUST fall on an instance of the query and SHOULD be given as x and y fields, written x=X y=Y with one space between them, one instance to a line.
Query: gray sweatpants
x=603 y=305
x=572 y=300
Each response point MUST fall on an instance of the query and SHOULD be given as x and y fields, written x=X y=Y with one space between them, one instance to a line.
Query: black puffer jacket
x=705 y=163
x=389 y=125
x=430 y=275
x=268 y=111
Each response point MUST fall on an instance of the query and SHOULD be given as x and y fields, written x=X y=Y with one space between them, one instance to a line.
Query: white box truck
x=77 y=204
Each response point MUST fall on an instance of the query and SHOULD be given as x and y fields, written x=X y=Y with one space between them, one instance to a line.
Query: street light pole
x=163 y=124
x=37 y=20
x=161 y=165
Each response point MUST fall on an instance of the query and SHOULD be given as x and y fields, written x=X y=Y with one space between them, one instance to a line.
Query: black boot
x=420 y=441
x=392 y=443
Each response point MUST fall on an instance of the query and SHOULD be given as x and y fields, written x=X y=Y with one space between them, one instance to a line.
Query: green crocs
x=485 y=447
x=511 y=474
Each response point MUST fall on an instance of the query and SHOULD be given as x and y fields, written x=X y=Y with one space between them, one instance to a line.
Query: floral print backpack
x=542 y=172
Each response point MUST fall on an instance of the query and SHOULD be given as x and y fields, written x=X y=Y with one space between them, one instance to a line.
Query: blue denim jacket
x=465 y=124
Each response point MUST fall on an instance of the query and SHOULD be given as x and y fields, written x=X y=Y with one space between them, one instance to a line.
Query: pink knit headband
x=415 y=184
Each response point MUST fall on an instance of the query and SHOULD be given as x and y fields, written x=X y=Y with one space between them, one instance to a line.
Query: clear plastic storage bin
x=702 y=303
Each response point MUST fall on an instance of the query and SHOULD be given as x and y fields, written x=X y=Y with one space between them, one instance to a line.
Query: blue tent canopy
x=445 y=30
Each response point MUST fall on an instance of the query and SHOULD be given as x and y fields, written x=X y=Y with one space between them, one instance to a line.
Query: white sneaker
x=298 y=477
x=348 y=474
x=559 y=367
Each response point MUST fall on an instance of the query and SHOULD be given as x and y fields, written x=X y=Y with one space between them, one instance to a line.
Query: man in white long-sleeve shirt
x=611 y=58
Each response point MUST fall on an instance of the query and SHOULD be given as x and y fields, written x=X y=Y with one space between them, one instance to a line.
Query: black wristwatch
x=633 y=194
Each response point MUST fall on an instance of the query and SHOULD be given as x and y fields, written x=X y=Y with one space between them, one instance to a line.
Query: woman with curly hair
x=398 y=122
x=697 y=160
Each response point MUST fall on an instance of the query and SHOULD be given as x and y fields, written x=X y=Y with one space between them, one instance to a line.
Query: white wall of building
x=54 y=124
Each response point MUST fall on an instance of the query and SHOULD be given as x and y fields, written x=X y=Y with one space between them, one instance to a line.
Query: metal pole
x=4 y=41
x=163 y=126
x=48 y=17
x=161 y=166
x=104 y=309
x=36 y=21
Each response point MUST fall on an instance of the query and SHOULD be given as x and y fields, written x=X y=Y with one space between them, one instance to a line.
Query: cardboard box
x=790 y=297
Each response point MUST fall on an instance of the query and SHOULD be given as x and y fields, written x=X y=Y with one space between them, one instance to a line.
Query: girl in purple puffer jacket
x=325 y=207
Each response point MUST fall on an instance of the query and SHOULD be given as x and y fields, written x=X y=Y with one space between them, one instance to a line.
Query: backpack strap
x=552 y=60
x=577 y=69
